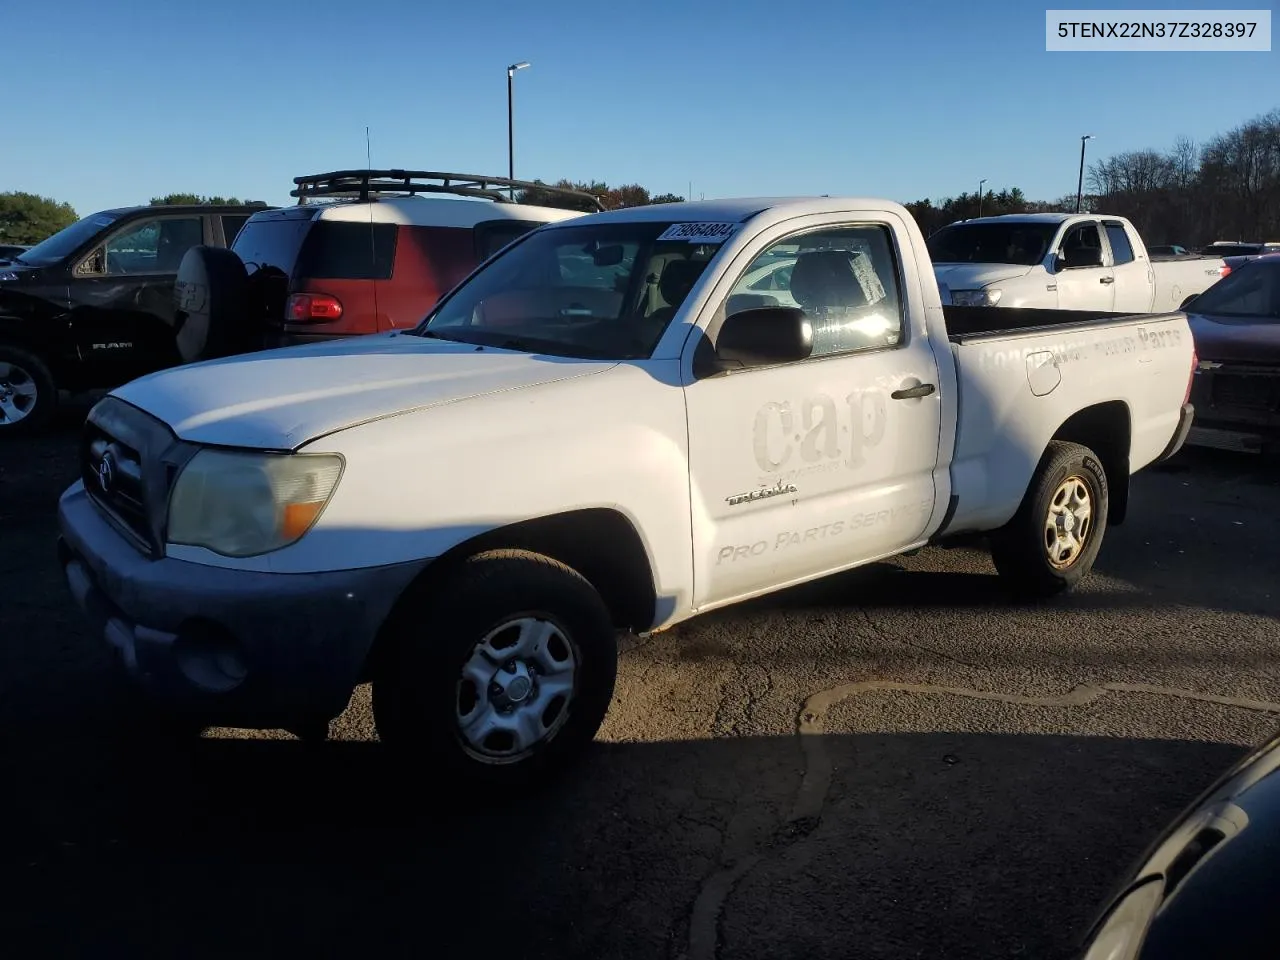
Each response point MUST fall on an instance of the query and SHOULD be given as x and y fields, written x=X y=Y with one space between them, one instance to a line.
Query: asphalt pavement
x=894 y=762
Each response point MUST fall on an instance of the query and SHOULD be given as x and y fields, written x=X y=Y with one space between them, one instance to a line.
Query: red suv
x=363 y=251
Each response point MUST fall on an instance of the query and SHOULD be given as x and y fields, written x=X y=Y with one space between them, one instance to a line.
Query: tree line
x=611 y=198
x=28 y=218
x=1192 y=194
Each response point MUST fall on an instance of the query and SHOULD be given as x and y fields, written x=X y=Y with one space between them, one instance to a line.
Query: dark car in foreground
x=92 y=306
x=1209 y=888
x=1236 y=389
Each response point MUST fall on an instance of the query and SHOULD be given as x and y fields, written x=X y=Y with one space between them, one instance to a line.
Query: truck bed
x=967 y=324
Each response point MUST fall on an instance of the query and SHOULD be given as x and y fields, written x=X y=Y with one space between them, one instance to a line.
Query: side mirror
x=1082 y=257
x=92 y=265
x=764 y=336
x=1189 y=301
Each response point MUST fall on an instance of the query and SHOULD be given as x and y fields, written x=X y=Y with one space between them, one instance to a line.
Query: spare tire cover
x=211 y=317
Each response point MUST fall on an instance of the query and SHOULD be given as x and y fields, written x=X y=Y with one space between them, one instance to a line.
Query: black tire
x=20 y=373
x=1022 y=549
x=418 y=684
x=211 y=300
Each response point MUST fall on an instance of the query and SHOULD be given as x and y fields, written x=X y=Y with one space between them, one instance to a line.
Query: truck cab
x=1063 y=261
x=93 y=307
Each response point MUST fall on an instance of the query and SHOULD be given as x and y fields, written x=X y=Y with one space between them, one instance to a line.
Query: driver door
x=1084 y=287
x=122 y=307
x=799 y=469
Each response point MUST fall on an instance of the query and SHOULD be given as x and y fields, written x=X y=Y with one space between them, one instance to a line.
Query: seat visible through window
x=830 y=287
x=176 y=238
x=678 y=278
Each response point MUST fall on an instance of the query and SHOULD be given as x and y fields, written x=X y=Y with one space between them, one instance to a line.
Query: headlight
x=988 y=297
x=244 y=504
x=8 y=275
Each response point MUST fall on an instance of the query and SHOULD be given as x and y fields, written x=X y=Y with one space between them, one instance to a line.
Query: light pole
x=980 y=183
x=1080 y=181
x=511 y=123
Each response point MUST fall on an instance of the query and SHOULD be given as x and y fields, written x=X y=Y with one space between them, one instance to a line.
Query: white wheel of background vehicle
x=27 y=392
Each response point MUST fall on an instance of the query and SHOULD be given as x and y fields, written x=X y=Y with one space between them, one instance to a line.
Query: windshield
x=66 y=241
x=1021 y=243
x=603 y=291
x=1251 y=291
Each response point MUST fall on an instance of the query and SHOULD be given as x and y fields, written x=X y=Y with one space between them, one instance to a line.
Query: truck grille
x=112 y=474
x=1240 y=397
x=1252 y=393
x=128 y=462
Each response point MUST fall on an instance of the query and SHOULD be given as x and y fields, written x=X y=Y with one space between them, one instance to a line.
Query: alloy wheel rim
x=18 y=393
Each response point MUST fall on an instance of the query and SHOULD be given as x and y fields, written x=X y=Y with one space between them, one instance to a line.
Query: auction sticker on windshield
x=699 y=232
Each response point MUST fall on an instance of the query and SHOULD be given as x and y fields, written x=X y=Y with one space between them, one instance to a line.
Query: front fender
x=417 y=485
x=29 y=320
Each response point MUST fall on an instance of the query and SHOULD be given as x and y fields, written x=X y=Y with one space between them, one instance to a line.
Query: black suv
x=93 y=306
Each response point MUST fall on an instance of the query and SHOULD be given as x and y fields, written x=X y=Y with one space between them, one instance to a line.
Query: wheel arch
x=1106 y=429
x=600 y=543
x=38 y=338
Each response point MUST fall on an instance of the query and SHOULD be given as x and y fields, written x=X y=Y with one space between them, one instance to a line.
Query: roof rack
x=363 y=184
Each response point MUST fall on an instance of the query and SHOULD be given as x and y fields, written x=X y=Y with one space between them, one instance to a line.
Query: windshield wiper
x=434 y=335
x=540 y=345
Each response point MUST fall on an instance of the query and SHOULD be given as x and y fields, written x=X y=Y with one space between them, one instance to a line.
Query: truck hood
x=1236 y=340
x=971 y=276
x=18 y=273
x=280 y=399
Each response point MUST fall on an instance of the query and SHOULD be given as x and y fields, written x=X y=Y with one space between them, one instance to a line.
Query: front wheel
x=28 y=395
x=1054 y=538
x=501 y=673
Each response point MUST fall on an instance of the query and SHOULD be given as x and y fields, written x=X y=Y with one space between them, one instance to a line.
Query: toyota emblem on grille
x=106 y=472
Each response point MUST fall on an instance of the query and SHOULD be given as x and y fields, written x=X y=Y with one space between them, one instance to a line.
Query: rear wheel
x=1054 y=538
x=28 y=395
x=501 y=673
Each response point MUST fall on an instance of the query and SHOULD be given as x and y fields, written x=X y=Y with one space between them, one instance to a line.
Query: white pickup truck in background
x=1063 y=261
x=465 y=514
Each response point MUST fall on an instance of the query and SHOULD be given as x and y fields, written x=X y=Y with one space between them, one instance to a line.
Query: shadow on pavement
x=927 y=844
x=946 y=845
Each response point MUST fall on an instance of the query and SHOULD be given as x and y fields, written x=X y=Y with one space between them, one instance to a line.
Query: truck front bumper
x=231 y=648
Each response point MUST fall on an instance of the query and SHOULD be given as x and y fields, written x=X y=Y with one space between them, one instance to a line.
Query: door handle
x=913 y=393
x=1106 y=279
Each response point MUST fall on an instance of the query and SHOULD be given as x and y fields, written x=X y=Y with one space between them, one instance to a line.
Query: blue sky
x=110 y=104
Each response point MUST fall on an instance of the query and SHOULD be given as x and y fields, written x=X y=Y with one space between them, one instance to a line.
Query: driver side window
x=845 y=280
x=1082 y=245
x=152 y=246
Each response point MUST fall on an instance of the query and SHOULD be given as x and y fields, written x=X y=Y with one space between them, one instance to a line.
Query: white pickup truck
x=1064 y=261
x=602 y=428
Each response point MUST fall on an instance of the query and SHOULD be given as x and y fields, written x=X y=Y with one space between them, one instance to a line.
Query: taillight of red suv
x=312 y=308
